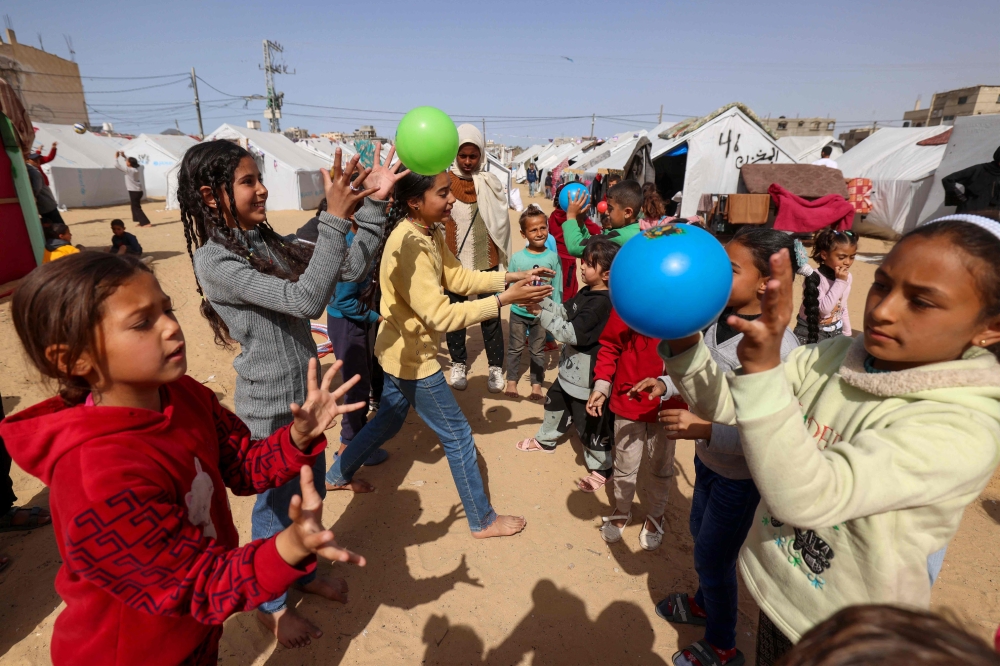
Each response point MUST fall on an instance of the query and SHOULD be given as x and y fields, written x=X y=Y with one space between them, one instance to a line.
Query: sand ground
x=556 y=594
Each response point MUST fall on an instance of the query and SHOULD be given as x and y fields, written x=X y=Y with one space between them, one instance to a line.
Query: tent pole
x=197 y=103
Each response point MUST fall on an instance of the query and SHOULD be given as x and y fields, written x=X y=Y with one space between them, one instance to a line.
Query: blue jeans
x=722 y=512
x=436 y=405
x=270 y=516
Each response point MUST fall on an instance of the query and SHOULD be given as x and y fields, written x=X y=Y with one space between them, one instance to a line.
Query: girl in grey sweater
x=261 y=290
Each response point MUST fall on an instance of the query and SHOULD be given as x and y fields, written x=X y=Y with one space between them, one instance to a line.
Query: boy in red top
x=625 y=358
x=570 y=283
x=138 y=457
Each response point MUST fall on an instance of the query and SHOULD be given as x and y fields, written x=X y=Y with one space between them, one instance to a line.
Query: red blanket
x=801 y=216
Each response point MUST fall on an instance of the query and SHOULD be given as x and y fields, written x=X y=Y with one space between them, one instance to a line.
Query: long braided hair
x=213 y=164
x=762 y=243
x=825 y=240
x=410 y=186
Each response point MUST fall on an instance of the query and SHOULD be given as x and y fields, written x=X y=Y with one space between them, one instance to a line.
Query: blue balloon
x=671 y=281
x=572 y=189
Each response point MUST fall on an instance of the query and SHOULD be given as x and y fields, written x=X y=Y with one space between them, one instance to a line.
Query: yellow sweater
x=58 y=253
x=415 y=270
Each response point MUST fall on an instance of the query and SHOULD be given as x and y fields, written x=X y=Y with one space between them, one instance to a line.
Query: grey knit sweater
x=269 y=317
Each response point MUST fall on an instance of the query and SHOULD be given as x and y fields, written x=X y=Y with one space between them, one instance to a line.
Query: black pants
x=137 y=213
x=492 y=337
x=7 y=496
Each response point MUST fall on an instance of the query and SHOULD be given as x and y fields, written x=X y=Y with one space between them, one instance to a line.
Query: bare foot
x=536 y=393
x=334 y=590
x=511 y=391
x=291 y=629
x=355 y=485
x=502 y=526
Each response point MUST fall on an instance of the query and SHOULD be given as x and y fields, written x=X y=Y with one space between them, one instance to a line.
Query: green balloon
x=426 y=140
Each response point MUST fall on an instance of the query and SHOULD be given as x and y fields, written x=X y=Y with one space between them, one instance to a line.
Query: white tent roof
x=171 y=144
x=276 y=146
x=807 y=149
x=158 y=154
x=973 y=140
x=83 y=172
x=554 y=157
x=78 y=151
x=618 y=150
x=527 y=154
x=900 y=170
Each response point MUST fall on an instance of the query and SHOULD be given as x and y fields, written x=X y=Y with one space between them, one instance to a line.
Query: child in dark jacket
x=578 y=324
x=625 y=359
x=122 y=242
x=138 y=457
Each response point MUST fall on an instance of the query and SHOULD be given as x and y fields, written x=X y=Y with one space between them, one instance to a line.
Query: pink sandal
x=531 y=445
x=592 y=483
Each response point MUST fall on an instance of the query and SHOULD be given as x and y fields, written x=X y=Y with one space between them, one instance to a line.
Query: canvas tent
x=83 y=172
x=901 y=172
x=158 y=153
x=291 y=173
x=808 y=149
x=973 y=141
x=613 y=154
x=704 y=155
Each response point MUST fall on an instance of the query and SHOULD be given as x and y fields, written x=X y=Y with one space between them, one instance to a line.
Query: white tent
x=901 y=172
x=325 y=148
x=158 y=153
x=290 y=173
x=83 y=172
x=613 y=154
x=808 y=149
x=713 y=153
x=973 y=140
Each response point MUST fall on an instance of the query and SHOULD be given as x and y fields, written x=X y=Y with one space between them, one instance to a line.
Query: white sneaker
x=495 y=381
x=458 y=378
x=651 y=540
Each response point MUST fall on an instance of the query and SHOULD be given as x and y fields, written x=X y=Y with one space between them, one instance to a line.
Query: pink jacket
x=832 y=302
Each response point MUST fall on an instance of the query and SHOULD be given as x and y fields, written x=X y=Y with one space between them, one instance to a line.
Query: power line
x=106 y=78
x=101 y=92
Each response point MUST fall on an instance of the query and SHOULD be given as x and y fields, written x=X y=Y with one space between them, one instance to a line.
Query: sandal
x=610 y=532
x=675 y=608
x=34 y=521
x=592 y=483
x=651 y=540
x=707 y=656
x=531 y=445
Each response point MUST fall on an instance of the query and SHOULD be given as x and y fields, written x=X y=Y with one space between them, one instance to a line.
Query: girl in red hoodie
x=625 y=359
x=138 y=456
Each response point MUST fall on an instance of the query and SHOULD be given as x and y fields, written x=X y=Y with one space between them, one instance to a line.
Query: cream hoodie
x=861 y=475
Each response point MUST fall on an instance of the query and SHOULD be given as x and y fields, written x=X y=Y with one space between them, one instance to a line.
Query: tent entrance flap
x=670 y=170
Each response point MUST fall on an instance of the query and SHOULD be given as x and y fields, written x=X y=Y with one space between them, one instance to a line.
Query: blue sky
x=856 y=62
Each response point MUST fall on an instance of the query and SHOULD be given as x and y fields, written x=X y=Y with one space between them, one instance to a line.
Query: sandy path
x=554 y=595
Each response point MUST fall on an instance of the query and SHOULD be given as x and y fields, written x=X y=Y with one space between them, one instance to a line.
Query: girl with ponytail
x=260 y=291
x=413 y=270
x=824 y=305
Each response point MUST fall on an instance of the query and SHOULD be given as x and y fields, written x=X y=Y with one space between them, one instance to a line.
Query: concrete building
x=364 y=133
x=49 y=86
x=296 y=133
x=946 y=106
x=856 y=136
x=782 y=126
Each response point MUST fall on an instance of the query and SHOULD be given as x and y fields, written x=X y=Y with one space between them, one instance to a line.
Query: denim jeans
x=722 y=512
x=437 y=407
x=270 y=516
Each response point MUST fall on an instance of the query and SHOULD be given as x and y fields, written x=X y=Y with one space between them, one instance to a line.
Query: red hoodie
x=570 y=283
x=625 y=359
x=151 y=558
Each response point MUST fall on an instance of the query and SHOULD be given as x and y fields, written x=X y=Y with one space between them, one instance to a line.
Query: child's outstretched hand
x=320 y=409
x=342 y=197
x=383 y=177
x=651 y=385
x=595 y=405
x=306 y=535
x=524 y=292
x=682 y=424
x=579 y=203
x=760 y=348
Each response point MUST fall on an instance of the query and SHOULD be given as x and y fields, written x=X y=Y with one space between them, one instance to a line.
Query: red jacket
x=151 y=558
x=570 y=284
x=625 y=359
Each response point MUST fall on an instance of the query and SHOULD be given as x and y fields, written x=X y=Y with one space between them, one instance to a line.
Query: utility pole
x=660 y=121
x=484 y=131
x=197 y=103
x=274 y=98
x=593 y=118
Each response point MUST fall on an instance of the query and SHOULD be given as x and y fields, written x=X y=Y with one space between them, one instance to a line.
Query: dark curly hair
x=762 y=243
x=213 y=164
x=653 y=206
x=410 y=186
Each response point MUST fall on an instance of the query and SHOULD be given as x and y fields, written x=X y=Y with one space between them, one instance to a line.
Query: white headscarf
x=490 y=194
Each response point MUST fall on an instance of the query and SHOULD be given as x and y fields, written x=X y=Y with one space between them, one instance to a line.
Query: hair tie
x=984 y=223
x=801 y=259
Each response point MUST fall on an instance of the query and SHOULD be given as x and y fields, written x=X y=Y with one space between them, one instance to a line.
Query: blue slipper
x=377 y=457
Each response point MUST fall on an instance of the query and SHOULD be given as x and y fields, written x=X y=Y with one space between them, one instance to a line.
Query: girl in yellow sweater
x=865 y=451
x=412 y=268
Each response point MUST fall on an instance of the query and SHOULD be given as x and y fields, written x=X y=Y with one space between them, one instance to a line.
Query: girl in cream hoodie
x=865 y=451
